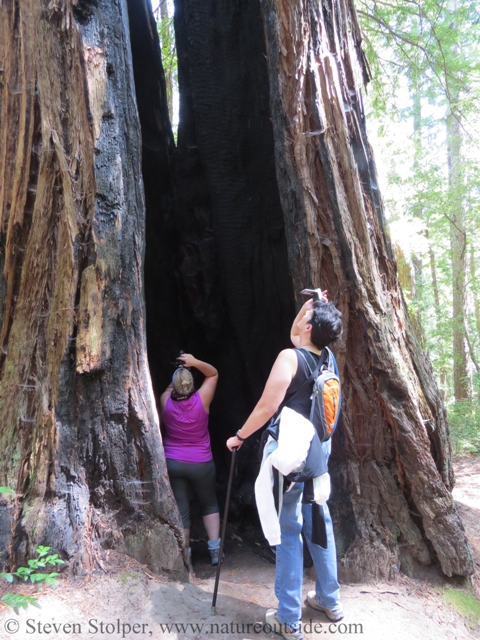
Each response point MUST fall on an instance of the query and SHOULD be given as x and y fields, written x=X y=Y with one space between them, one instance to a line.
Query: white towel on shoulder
x=295 y=435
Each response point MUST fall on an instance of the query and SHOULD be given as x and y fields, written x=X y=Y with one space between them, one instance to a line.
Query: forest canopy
x=423 y=109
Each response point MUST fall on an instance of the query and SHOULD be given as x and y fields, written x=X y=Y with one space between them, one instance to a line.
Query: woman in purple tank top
x=186 y=441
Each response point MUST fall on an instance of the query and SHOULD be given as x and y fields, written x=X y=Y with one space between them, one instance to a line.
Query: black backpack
x=326 y=398
x=326 y=393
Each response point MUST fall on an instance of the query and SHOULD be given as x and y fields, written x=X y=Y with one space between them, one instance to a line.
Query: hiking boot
x=214 y=550
x=284 y=630
x=214 y=556
x=335 y=615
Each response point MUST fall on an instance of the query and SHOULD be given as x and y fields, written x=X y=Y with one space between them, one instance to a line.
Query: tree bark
x=79 y=433
x=418 y=210
x=473 y=280
x=392 y=456
x=458 y=244
x=438 y=312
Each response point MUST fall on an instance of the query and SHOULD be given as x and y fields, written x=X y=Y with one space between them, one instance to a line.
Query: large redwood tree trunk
x=79 y=432
x=392 y=460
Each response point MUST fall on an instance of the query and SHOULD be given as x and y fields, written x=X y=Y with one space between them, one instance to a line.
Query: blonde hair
x=182 y=382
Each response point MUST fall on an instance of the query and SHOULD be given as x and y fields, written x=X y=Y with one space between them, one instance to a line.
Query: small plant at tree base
x=32 y=573
x=18 y=601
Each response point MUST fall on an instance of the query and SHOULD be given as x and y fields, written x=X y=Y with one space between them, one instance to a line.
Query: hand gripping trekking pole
x=224 y=526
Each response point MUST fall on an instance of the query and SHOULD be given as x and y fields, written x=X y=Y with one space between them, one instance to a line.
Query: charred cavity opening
x=216 y=272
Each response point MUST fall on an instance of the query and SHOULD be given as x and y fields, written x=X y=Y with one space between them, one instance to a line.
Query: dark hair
x=326 y=324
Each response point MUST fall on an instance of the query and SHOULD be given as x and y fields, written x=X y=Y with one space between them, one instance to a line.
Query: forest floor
x=126 y=601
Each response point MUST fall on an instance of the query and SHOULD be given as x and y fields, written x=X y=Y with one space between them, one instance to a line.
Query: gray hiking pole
x=213 y=609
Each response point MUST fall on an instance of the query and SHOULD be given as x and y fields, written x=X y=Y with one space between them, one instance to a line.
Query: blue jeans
x=289 y=566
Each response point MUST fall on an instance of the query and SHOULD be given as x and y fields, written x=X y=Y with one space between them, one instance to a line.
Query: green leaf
x=38 y=577
x=8 y=576
x=54 y=560
x=7 y=490
x=18 y=601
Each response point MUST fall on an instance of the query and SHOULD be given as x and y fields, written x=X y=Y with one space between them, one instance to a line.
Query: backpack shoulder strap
x=312 y=364
x=330 y=362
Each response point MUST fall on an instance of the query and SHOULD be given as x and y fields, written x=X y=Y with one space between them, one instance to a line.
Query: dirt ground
x=128 y=602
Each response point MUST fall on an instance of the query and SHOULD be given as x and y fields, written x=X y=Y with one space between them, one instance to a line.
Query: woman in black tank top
x=313 y=328
x=316 y=326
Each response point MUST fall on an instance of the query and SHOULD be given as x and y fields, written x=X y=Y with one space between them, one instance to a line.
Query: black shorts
x=197 y=478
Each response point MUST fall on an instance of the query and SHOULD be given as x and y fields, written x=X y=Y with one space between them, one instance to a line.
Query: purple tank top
x=185 y=428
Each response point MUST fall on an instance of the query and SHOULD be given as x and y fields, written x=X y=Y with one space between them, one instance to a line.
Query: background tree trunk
x=458 y=243
x=79 y=432
x=418 y=210
x=473 y=280
x=438 y=310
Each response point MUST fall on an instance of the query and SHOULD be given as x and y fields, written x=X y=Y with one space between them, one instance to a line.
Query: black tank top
x=301 y=403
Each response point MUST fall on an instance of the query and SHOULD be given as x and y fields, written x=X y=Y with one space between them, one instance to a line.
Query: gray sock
x=214 y=544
